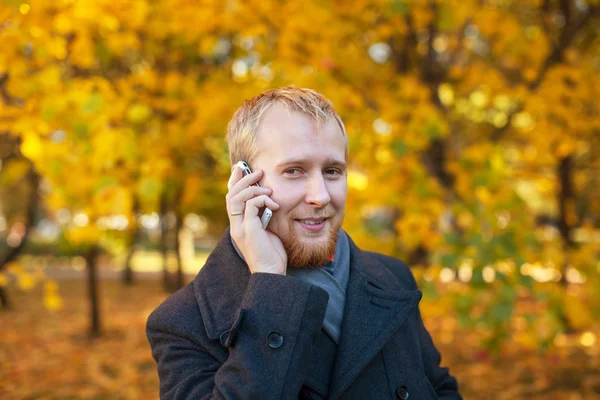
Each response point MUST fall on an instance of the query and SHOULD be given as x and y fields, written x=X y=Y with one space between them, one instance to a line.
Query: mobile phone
x=267 y=213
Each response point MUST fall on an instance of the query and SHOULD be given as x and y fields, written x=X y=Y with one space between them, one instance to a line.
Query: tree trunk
x=91 y=259
x=5 y=303
x=135 y=238
x=13 y=253
x=180 y=275
x=163 y=243
x=565 y=200
x=128 y=271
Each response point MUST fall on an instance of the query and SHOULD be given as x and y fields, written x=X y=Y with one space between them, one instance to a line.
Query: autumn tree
x=473 y=128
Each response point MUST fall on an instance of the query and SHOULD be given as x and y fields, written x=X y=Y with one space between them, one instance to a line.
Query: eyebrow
x=303 y=161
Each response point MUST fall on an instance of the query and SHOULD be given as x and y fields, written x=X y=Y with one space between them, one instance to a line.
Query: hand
x=261 y=248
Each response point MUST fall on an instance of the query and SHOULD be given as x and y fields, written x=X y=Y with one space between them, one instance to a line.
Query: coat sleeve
x=269 y=344
x=444 y=384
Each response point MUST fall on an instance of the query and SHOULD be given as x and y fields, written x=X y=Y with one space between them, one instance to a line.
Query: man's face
x=306 y=169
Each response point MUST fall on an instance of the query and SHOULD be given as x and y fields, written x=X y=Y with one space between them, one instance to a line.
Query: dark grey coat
x=233 y=335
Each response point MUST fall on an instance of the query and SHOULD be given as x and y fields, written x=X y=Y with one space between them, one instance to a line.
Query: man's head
x=296 y=137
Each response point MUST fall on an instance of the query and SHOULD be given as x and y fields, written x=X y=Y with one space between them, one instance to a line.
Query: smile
x=311 y=221
x=312 y=224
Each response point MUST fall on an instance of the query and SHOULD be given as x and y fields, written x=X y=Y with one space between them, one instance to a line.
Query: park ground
x=48 y=355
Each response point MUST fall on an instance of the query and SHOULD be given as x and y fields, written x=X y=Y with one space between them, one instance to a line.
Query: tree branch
x=566 y=37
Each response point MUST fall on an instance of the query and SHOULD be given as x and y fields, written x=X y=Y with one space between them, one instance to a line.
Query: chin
x=310 y=237
x=307 y=249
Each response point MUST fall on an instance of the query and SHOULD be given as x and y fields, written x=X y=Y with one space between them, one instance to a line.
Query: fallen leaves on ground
x=48 y=354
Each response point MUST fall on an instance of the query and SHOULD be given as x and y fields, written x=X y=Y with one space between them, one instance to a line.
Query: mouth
x=312 y=224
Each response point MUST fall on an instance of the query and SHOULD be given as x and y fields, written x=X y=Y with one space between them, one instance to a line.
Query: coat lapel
x=220 y=287
x=373 y=314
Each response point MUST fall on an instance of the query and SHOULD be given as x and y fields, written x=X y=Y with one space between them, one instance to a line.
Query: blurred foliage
x=473 y=130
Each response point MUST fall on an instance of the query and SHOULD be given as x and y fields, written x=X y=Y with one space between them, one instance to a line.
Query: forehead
x=284 y=131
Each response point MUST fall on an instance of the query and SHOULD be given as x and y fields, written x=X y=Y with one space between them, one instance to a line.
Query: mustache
x=327 y=214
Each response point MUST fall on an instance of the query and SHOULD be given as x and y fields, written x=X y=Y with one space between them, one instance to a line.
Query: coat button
x=275 y=340
x=402 y=392
x=223 y=338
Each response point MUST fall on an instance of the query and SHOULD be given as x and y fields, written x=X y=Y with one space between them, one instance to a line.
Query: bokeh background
x=474 y=156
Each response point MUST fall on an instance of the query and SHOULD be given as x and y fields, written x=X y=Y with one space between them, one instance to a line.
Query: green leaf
x=429 y=290
x=452 y=239
x=149 y=188
x=501 y=312
x=432 y=129
x=477 y=280
x=449 y=260
x=463 y=302
x=48 y=112
x=104 y=182
x=81 y=129
x=399 y=147
x=399 y=6
x=445 y=20
x=475 y=239
x=526 y=281
x=93 y=104
x=507 y=292
x=480 y=180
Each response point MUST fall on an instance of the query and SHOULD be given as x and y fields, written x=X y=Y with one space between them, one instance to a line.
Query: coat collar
x=379 y=299
x=378 y=302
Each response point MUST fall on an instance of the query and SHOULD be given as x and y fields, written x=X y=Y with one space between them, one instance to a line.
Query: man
x=295 y=310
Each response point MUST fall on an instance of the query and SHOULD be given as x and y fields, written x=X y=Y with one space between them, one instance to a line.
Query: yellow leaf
x=51 y=286
x=52 y=302
x=31 y=146
x=15 y=268
x=113 y=200
x=84 y=235
x=58 y=47
x=138 y=113
x=484 y=195
x=62 y=24
x=577 y=312
x=446 y=94
x=25 y=282
x=357 y=180
x=82 y=51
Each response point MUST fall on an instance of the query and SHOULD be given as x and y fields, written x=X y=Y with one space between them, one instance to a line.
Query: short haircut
x=242 y=130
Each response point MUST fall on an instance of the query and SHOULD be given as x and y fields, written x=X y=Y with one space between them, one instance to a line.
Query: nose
x=317 y=193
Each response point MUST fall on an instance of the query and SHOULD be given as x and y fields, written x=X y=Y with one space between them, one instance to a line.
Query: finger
x=256 y=203
x=236 y=175
x=253 y=204
x=238 y=201
x=245 y=181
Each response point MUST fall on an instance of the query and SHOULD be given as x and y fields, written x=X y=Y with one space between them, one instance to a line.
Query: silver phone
x=267 y=212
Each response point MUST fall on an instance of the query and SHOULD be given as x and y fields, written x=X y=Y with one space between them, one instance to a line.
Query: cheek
x=338 y=195
x=287 y=196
